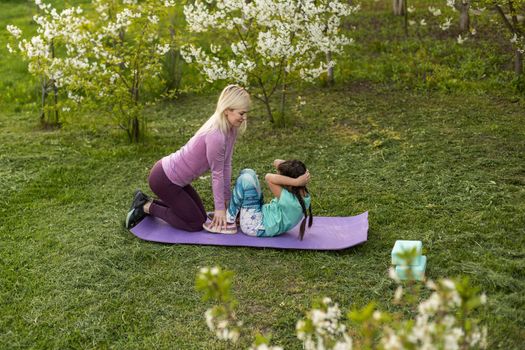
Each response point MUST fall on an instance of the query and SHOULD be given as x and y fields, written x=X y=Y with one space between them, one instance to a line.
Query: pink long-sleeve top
x=210 y=151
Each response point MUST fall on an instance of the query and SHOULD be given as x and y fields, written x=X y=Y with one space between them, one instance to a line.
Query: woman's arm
x=228 y=167
x=216 y=155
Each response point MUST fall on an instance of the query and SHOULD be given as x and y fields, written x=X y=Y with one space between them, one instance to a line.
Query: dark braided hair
x=295 y=168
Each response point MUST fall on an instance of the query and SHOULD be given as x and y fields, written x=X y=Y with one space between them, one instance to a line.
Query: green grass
x=444 y=168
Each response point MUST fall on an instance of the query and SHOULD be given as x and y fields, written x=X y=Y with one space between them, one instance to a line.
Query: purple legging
x=181 y=207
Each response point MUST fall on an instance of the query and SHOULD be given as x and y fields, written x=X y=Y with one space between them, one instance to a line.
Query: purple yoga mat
x=326 y=233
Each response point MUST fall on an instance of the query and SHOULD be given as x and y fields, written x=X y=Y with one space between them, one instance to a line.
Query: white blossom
x=435 y=11
x=288 y=34
x=345 y=344
x=448 y=283
x=74 y=97
x=161 y=50
x=392 y=341
x=154 y=19
x=431 y=285
x=393 y=274
x=376 y=315
x=14 y=30
x=446 y=25
x=483 y=299
x=215 y=48
x=208 y=315
x=398 y=294
x=460 y=39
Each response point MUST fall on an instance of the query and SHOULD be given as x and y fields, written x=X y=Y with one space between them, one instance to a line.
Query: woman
x=211 y=148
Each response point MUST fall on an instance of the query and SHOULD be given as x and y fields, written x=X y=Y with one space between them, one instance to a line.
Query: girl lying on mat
x=290 y=204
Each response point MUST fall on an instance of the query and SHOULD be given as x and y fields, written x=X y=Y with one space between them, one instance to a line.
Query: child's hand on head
x=277 y=162
x=304 y=179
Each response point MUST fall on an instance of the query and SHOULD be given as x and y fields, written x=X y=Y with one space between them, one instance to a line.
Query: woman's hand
x=303 y=179
x=219 y=219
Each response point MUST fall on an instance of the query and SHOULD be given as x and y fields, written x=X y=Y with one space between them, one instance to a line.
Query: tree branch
x=514 y=17
x=504 y=18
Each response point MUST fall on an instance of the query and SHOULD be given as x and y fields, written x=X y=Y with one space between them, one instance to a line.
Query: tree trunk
x=283 y=103
x=330 y=71
x=464 y=17
x=514 y=29
x=266 y=100
x=405 y=15
x=135 y=129
x=43 y=119
x=55 y=93
x=55 y=122
x=518 y=62
x=399 y=7
x=269 y=110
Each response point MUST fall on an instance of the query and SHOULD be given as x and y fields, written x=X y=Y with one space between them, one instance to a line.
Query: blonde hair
x=232 y=97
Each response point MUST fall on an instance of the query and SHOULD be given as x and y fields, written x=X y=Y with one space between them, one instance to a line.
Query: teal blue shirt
x=282 y=214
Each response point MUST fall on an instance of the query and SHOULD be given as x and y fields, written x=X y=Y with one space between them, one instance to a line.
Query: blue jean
x=247 y=201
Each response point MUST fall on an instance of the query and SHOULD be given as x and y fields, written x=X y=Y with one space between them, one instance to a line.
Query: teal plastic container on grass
x=401 y=246
x=415 y=272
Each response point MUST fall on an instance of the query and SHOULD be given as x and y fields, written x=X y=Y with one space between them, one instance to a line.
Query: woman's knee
x=196 y=226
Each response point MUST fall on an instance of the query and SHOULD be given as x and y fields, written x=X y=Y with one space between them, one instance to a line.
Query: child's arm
x=277 y=162
x=276 y=182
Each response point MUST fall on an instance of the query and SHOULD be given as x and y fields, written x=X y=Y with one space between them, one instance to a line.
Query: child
x=284 y=212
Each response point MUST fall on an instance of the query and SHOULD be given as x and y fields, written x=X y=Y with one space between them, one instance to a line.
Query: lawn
x=446 y=168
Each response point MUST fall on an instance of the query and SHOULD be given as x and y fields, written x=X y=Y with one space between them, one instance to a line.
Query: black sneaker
x=139 y=199
x=134 y=217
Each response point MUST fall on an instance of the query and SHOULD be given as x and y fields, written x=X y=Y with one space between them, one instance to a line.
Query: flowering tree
x=270 y=44
x=442 y=321
x=508 y=11
x=55 y=29
x=463 y=7
x=510 y=15
x=216 y=285
x=126 y=53
x=109 y=60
